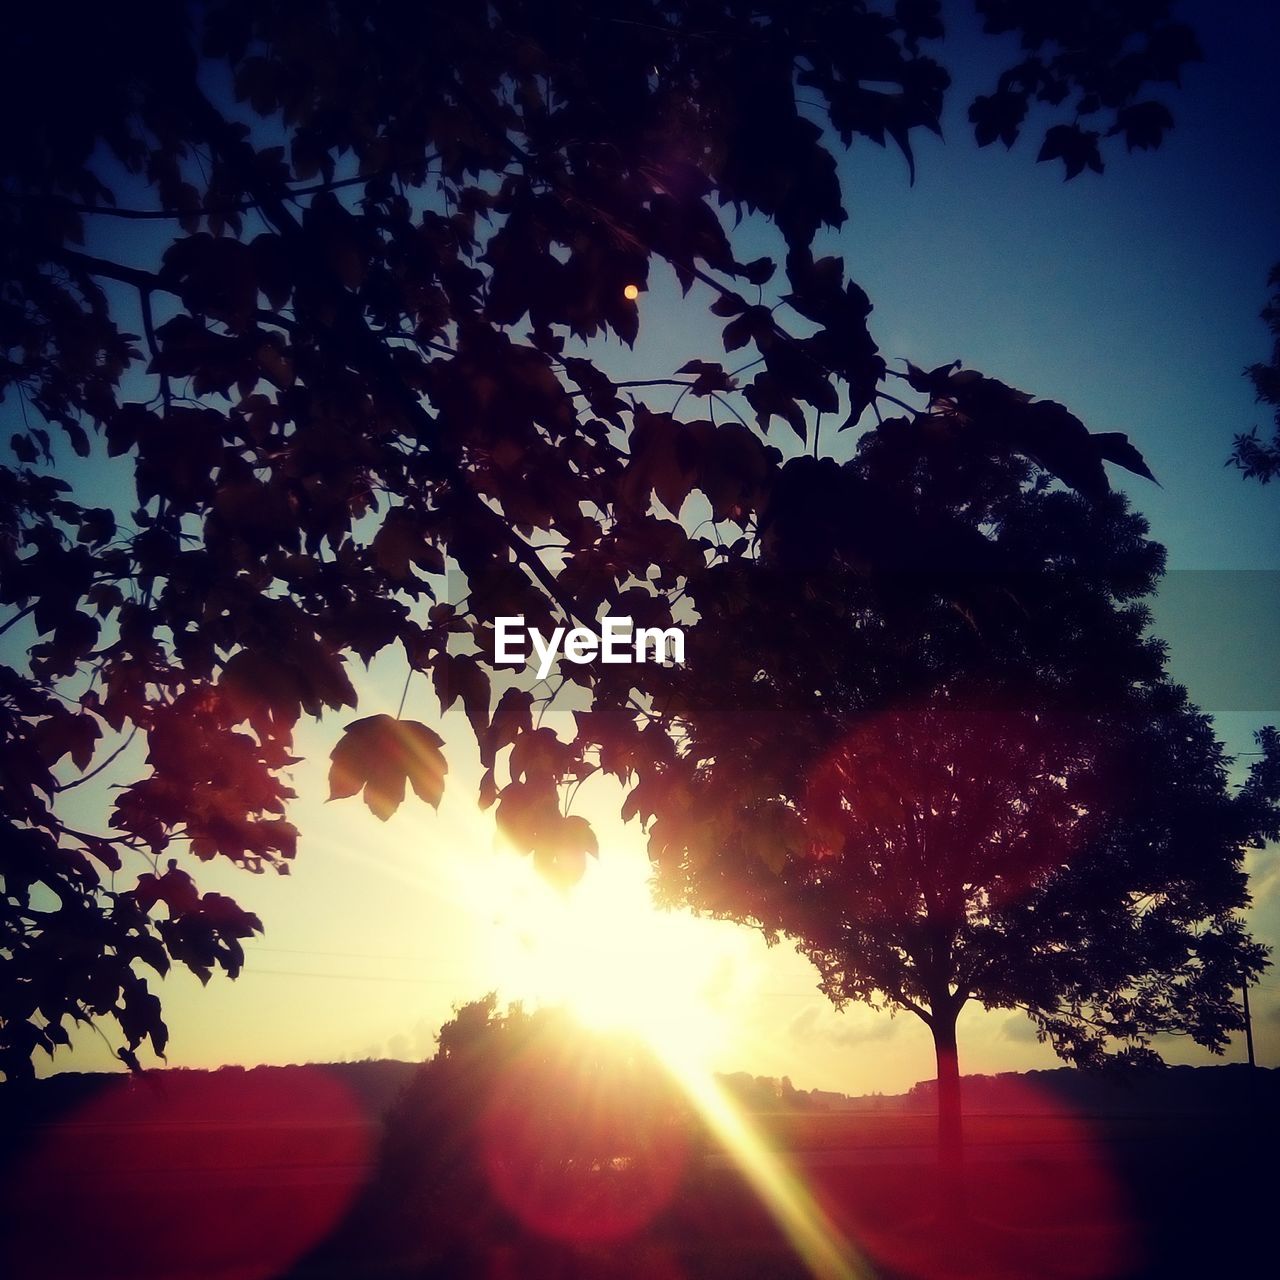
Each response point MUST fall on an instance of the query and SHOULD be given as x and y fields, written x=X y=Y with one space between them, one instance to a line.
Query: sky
x=1131 y=298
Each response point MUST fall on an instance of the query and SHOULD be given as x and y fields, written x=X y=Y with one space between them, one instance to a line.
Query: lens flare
x=782 y=1190
x=620 y=964
x=229 y=1175
x=582 y=1137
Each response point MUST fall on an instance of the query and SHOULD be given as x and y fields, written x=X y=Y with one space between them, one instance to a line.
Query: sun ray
x=816 y=1239
x=617 y=962
x=603 y=950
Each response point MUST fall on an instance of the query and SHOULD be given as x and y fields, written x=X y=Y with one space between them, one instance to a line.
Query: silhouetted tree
x=322 y=280
x=1258 y=459
x=962 y=777
x=524 y=1128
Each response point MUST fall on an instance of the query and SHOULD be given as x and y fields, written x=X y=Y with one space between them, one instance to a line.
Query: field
x=237 y=1180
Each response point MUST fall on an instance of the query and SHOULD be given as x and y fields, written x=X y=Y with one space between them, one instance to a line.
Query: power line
x=424 y=981
x=340 y=955
x=355 y=977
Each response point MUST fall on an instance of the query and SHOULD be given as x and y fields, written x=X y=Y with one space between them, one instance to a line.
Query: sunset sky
x=1133 y=299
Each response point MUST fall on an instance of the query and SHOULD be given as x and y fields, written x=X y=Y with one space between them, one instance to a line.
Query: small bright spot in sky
x=631 y=292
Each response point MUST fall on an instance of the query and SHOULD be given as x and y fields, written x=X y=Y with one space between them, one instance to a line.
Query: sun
x=616 y=961
x=678 y=982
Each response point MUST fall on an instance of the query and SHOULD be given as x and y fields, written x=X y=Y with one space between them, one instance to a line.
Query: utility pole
x=1248 y=1023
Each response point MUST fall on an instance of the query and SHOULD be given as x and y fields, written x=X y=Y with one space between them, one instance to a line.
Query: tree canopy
x=305 y=312
x=973 y=778
x=582 y=1136
x=1259 y=459
x=965 y=778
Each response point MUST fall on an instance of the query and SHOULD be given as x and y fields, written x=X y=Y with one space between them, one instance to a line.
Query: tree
x=520 y=1119
x=1258 y=459
x=966 y=778
x=318 y=299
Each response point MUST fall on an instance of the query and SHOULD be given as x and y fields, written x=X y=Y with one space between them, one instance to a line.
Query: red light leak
x=229 y=1176
x=1041 y=1199
x=909 y=758
x=580 y=1155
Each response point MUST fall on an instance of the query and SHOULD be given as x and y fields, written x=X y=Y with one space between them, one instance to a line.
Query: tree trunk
x=950 y=1119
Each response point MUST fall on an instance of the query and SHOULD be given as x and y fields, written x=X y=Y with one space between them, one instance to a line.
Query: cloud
x=817 y=1023
x=803 y=1024
x=1264 y=876
x=720 y=985
x=1018 y=1028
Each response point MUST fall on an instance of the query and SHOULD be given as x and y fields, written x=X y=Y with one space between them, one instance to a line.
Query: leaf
x=459 y=675
x=379 y=754
x=1115 y=446
x=511 y=717
x=1143 y=124
x=932 y=383
x=394 y=544
x=576 y=833
x=539 y=756
x=561 y=849
x=1077 y=148
x=751 y=326
x=759 y=271
x=728 y=304
x=767 y=397
x=525 y=813
x=23 y=447
x=737 y=333
x=66 y=734
x=998 y=116
x=401 y=542
x=710 y=377
x=384 y=787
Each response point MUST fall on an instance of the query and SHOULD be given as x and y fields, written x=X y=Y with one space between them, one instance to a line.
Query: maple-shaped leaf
x=459 y=675
x=512 y=717
x=1077 y=148
x=526 y=812
x=710 y=377
x=561 y=850
x=759 y=271
x=379 y=755
x=999 y=115
x=1143 y=124
x=932 y=382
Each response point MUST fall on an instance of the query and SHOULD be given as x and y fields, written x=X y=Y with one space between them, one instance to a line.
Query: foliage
x=965 y=778
x=525 y=1128
x=331 y=288
x=1255 y=457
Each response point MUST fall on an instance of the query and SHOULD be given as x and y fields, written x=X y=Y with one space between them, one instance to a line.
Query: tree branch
x=137 y=215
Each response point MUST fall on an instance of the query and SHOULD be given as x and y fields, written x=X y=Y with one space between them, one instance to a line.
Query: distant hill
x=1231 y=1087
x=376 y=1084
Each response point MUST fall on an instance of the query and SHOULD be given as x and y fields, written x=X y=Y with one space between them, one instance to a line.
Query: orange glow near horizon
x=603 y=950
x=619 y=963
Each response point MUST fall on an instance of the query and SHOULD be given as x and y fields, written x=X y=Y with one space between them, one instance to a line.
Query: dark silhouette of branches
x=1255 y=457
